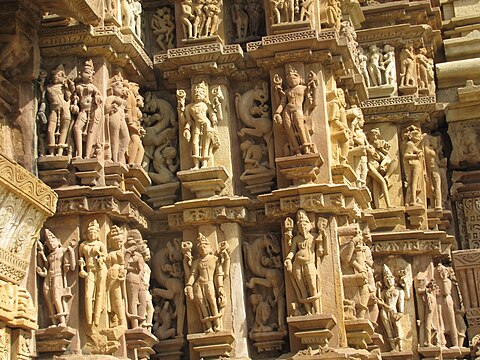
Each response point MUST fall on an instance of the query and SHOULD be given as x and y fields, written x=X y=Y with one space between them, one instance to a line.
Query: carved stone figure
x=303 y=260
x=252 y=109
x=424 y=69
x=433 y=166
x=136 y=292
x=126 y=13
x=339 y=131
x=240 y=19
x=294 y=105
x=54 y=268
x=407 y=66
x=306 y=10
x=359 y=149
x=413 y=163
x=41 y=118
x=115 y=106
x=165 y=163
x=89 y=123
x=263 y=258
x=59 y=94
x=389 y=65
x=363 y=66
x=212 y=10
x=93 y=269
x=262 y=309
x=168 y=273
x=375 y=66
x=392 y=305
x=333 y=14
x=199 y=122
x=116 y=277
x=133 y=116
x=136 y=24
x=163 y=27
x=162 y=327
x=205 y=278
x=277 y=8
x=380 y=166
x=147 y=274
x=254 y=12
x=427 y=292
x=187 y=17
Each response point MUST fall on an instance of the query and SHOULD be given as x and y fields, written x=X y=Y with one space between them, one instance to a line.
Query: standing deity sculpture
x=198 y=121
x=375 y=66
x=333 y=14
x=240 y=19
x=59 y=94
x=295 y=104
x=169 y=276
x=305 y=251
x=413 y=159
x=389 y=65
x=425 y=72
x=54 y=268
x=407 y=66
x=87 y=104
x=391 y=299
x=254 y=11
x=263 y=258
x=187 y=19
x=93 y=269
x=427 y=307
x=116 y=277
x=380 y=166
x=133 y=117
x=358 y=151
x=339 y=132
x=135 y=283
x=163 y=27
x=363 y=66
x=433 y=167
x=136 y=24
x=115 y=106
x=205 y=280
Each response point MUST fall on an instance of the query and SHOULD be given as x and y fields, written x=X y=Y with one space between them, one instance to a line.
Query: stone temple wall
x=208 y=179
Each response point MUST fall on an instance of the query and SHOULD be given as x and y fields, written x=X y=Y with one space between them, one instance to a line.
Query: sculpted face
x=87 y=75
x=293 y=79
x=93 y=232
x=199 y=93
x=58 y=77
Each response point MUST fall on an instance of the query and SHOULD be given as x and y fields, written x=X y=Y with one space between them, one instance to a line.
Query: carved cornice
x=85 y=11
x=399 y=104
x=123 y=206
x=123 y=50
x=25 y=204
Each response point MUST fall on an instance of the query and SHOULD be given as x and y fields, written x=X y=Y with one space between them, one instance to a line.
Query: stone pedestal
x=343 y=174
x=388 y=219
x=290 y=27
x=407 y=90
x=53 y=170
x=170 y=349
x=381 y=91
x=204 y=182
x=114 y=174
x=268 y=340
x=213 y=345
x=164 y=194
x=430 y=352
x=142 y=341
x=301 y=169
x=259 y=183
x=416 y=216
x=359 y=333
x=88 y=171
x=54 y=339
x=136 y=180
x=397 y=355
x=312 y=329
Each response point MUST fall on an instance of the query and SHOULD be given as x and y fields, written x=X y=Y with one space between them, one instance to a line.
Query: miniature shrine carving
x=205 y=279
x=198 y=121
x=295 y=104
x=54 y=268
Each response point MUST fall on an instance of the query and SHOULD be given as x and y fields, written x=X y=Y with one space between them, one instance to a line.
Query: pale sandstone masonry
x=207 y=179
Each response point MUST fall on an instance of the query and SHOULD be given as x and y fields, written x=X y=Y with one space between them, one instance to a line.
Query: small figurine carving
x=389 y=64
x=363 y=66
x=434 y=164
x=168 y=273
x=116 y=277
x=375 y=66
x=163 y=27
x=89 y=123
x=205 y=281
x=380 y=166
x=59 y=94
x=136 y=23
x=133 y=117
x=392 y=305
x=427 y=292
x=186 y=18
x=262 y=309
x=303 y=260
x=407 y=66
x=93 y=269
x=359 y=149
x=425 y=70
x=240 y=19
x=165 y=163
x=339 y=132
x=54 y=268
x=147 y=274
x=136 y=292
x=263 y=257
x=212 y=9
x=115 y=106
x=199 y=122
x=295 y=103
x=333 y=14
x=413 y=163
x=162 y=327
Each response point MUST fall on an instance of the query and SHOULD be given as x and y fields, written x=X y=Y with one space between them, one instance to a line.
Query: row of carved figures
x=129 y=12
x=74 y=117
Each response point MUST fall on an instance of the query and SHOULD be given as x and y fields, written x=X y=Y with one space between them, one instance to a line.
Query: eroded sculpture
x=163 y=27
x=54 y=268
x=198 y=122
x=205 y=280
x=295 y=103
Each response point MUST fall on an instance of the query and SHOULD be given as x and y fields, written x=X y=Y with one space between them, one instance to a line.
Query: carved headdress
x=302 y=216
x=387 y=273
x=58 y=69
x=202 y=239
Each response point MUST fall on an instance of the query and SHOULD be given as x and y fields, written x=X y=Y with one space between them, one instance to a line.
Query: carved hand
x=186 y=134
x=189 y=292
x=288 y=264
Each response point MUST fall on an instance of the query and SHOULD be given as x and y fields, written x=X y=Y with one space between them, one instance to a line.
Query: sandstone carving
x=427 y=291
x=302 y=262
x=426 y=76
x=205 y=274
x=413 y=160
x=201 y=18
x=163 y=27
x=407 y=66
x=54 y=268
x=434 y=165
x=87 y=104
x=295 y=103
x=198 y=121
x=359 y=148
x=339 y=131
x=240 y=19
x=133 y=117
